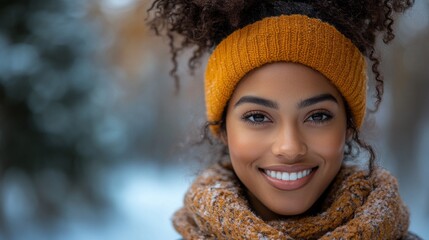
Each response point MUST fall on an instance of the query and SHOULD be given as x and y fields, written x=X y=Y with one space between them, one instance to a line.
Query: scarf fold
x=353 y=207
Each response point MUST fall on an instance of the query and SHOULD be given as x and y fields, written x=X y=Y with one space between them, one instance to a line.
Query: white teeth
x=288 y=176
x=285 y=176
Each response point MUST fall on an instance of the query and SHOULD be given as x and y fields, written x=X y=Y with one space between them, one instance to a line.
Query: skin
x=288 y=117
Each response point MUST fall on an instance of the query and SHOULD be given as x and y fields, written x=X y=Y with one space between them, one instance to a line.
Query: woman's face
x=286 y=132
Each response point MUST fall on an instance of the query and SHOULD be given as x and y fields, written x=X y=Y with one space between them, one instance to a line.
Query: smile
x=288 y=176
x=288 y=180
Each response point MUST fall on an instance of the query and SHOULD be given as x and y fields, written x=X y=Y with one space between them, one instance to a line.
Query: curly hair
x=202 y=24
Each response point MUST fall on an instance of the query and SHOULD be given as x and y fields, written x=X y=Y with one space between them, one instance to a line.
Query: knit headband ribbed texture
x=291 y=38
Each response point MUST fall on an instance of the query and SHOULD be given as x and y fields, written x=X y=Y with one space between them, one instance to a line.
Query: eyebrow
x=317 y=99
x=272 y=104
x=257 y=100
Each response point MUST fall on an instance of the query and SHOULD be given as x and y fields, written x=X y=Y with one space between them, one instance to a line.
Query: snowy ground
x=166 y=191
x=145 y=196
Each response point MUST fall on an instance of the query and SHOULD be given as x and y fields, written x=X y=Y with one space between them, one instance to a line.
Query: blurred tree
x=53 y=93
x=410 y=101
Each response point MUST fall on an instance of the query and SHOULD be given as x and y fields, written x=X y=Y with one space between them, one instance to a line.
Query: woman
x=285 y=93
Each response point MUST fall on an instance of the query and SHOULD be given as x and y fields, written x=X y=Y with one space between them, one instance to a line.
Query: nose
x=289 y=144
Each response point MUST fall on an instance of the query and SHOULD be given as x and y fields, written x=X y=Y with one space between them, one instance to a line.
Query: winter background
x=93 y=133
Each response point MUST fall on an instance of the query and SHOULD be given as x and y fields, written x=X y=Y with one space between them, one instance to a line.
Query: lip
x=288 y=185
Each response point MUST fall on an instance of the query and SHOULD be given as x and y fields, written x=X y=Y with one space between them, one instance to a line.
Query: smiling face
x=286 y=132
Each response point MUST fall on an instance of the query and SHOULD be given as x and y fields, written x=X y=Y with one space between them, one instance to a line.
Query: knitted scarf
x=353 y=207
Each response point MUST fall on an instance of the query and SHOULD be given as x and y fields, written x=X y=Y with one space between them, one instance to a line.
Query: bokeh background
x=93 y=134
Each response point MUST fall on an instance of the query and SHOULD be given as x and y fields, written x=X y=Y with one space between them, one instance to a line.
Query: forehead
x=284 y=79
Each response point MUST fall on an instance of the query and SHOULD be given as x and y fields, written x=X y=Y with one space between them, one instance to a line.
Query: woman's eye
x=319 y=117
x=256 y=118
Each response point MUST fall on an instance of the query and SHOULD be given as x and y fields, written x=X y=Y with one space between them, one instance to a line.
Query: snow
x=149 y=197
x=145 y=196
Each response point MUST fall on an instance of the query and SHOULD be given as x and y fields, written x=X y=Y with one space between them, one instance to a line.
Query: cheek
x=330 y=144
x=244 y=147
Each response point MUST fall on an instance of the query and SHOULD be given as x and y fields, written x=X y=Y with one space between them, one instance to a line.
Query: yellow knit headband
x=292 y=38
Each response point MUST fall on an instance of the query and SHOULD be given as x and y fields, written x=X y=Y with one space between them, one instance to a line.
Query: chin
x=291 y=211
x=292 y=208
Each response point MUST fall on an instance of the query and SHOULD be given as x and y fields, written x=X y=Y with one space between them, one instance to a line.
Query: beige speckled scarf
x=354 y=208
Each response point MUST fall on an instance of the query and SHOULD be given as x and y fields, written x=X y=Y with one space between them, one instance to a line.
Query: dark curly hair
x=202 y=24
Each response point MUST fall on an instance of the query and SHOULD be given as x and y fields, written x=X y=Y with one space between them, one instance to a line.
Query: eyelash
x=326 y=116
x=246 y=118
